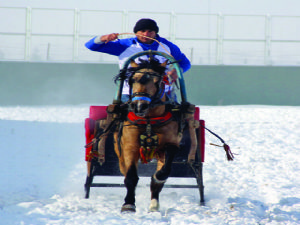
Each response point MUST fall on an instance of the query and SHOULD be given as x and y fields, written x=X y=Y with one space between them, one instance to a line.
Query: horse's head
x=146 y=85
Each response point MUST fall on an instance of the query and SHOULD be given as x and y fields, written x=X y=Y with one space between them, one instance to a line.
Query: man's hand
x=172 y=74
x=109 y=37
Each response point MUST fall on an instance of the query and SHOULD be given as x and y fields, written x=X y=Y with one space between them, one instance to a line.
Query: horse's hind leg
x=160 y=177
x=130 y=182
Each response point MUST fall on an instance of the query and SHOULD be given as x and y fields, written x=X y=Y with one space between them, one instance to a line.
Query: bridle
x=153 y=100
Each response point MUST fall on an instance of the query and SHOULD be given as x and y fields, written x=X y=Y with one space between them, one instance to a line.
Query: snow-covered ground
x=43 y=171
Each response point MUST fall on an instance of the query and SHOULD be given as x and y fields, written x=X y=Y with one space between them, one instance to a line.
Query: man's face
x=147 y=33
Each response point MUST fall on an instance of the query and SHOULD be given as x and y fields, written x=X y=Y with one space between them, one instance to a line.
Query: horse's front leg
x=128 y=156
x=160 y=177
x=130 y=181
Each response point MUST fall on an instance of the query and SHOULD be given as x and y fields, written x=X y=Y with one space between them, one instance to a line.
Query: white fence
x=40 y=34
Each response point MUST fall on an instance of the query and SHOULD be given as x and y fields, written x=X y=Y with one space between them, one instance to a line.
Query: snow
x=43 y=171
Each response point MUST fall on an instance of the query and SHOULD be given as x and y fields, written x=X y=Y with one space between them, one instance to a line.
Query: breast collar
x=134 y=119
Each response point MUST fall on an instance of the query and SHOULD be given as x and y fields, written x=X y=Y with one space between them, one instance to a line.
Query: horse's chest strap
x=148 y=139
x=149 y=143
x=134 y=119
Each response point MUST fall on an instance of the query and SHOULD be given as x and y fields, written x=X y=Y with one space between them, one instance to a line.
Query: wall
x=239 y=85
x=28 y=83
x=25 y=83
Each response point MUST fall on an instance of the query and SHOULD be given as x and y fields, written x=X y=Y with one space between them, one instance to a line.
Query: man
x=146 y=31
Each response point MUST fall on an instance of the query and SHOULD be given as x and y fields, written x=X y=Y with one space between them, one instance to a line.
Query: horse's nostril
x=139 y=108
x=142 y=107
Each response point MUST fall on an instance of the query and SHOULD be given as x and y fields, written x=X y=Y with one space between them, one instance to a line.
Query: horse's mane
x=151 y=63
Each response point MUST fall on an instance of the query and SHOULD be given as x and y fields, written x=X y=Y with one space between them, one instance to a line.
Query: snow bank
x=43 y=171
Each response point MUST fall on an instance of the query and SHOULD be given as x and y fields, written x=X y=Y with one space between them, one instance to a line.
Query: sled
x=180 y=168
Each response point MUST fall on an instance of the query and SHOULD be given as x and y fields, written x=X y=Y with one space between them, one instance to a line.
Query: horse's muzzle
x=140 y=108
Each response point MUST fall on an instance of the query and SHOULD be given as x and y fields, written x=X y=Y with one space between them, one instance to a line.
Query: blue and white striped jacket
x=125 y=48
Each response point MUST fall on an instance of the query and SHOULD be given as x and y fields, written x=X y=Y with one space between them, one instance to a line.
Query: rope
x=148 y=38
x=229 y=154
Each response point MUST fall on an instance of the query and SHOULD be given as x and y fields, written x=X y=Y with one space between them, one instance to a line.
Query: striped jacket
x=125 y=48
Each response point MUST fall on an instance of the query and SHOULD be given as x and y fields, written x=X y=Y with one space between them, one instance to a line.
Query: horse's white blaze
x=154 y=205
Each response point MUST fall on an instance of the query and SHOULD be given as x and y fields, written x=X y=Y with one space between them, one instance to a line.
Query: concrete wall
x=232 y=85
x=26 y=83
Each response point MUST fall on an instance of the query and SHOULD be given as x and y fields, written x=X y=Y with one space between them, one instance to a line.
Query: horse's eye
x=131 y=81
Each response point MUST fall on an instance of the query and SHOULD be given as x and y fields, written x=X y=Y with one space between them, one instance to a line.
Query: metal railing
x=42 y=34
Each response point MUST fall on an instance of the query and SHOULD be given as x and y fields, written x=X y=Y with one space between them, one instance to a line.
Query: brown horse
x=149 y=131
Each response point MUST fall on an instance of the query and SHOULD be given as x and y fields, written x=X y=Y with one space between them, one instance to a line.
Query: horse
x=149 y=131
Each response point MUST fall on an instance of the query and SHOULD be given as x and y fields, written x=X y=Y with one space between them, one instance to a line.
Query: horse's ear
x=133 y=63
x=164 y=64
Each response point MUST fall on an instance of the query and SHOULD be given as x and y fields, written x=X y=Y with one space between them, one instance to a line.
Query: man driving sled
x=147 y=38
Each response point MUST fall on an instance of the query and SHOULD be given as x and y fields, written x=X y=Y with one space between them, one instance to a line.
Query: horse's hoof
x=128 y=208
x=154 y=206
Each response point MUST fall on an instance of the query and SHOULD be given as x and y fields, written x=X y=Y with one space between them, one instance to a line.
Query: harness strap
x=141 y=98
x=100 y=135
x=153 y=100
x=133 y=118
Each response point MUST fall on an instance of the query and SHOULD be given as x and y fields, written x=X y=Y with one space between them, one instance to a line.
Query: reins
x=99 y=136
x=148 y=38
x=167 y=51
